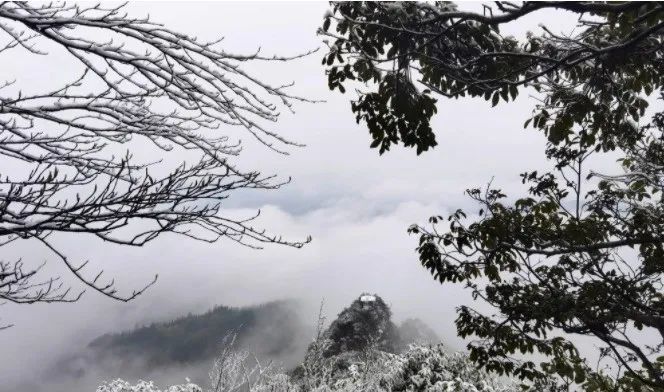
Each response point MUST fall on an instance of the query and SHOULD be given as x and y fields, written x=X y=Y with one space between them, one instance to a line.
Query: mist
x=355 y=204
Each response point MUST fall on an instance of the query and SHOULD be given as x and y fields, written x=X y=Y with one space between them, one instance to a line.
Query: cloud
x=353 y=251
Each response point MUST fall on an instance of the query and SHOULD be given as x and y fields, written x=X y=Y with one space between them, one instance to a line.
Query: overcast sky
x=355 y=204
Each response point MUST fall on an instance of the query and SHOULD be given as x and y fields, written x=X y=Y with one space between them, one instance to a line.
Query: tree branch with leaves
x=581 y=253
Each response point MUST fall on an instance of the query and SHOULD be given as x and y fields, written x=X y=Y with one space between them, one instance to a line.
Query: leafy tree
x=68 y=151
x=581 y=252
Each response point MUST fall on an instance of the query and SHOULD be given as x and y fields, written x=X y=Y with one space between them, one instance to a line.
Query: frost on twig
x=141 y=86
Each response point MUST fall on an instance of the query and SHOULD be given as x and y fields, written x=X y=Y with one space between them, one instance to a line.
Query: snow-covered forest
x=361 y=350
x=420 y=368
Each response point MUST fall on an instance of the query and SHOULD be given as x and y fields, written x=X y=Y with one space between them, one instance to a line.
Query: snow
x=367 y=298
x=421 y=368
x=632 y=123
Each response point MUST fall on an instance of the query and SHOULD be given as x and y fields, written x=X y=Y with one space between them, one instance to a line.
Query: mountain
x=364 y=331
x=167 y=352
x=367 y=323
x=415 y=331
x=272 y=329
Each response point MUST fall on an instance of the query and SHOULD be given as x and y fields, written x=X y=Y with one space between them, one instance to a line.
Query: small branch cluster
x=141 y=86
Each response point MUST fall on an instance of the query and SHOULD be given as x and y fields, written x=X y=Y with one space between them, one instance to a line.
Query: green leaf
x=495 y=99
x=514 y=91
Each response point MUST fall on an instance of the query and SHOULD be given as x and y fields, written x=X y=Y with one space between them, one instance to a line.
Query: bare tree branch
x=68 y=165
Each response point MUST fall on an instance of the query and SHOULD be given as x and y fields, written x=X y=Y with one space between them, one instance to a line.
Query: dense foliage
x=409 y=51
x=582 y=252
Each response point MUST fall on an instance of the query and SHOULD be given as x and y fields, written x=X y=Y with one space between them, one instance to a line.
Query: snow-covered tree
x=100 y=152
x=145 y=386
x=419 y=369
x=434 y=369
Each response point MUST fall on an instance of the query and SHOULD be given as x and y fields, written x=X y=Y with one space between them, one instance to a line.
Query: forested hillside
x=270 y=329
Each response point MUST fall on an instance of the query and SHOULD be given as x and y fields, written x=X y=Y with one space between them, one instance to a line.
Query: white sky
x=356 y=205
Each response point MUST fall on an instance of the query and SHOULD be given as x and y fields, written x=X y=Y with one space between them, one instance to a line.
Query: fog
x=355 y=204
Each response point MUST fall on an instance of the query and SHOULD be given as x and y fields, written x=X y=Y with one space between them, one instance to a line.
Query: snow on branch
x=141 y=85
